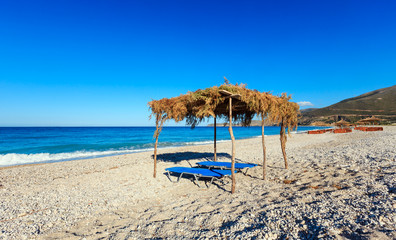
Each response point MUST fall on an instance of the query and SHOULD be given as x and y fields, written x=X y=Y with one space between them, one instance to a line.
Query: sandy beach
x=338 y=186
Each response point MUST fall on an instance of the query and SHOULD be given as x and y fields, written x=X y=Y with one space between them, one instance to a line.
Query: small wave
x=13 y=158
x=10 y=159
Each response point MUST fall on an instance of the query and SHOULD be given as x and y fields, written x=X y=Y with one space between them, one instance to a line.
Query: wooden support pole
x=233 y=148
x=158 y=128
x=155 y=150
x=264 y=149
x=215 y=150
x=283 y=140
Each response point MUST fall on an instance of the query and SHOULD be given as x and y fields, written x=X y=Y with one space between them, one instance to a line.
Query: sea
x=27 y=145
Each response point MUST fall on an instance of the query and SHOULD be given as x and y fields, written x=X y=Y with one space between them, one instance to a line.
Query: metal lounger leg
x=196 y=180
x=196 y=177
x=225 y=178
x=211 y=181
x=178 y=179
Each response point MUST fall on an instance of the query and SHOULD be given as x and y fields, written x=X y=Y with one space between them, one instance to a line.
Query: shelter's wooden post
x=158 y=125
x=155 y=150
x=283 y=142
x=215 y=151
x=264 y=149
x=233 y=148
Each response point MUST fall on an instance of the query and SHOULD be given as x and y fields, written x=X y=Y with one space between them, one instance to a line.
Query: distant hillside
x=307 y=110
x=381 y=103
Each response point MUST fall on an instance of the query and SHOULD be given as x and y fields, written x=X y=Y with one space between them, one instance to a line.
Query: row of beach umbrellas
x=372 y=119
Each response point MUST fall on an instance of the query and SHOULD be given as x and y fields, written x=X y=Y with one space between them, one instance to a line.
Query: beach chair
x=227 y=165
x=198 y=173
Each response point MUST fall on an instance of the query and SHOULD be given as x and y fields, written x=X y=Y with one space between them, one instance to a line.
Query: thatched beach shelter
x=285 y=113
x=235 y=103
x=342 y=123
x=320 y=124
x=361 y=122
x=373 y=120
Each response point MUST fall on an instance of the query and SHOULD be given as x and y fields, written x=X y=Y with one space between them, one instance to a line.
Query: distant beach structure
x=237 y=104
x=371 y=120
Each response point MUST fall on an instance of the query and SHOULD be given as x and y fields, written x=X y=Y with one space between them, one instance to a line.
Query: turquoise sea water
x=24 y=145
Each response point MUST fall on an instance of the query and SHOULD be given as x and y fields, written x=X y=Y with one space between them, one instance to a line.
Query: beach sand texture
x=338 y=186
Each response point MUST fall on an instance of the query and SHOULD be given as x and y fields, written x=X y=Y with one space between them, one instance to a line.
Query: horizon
x=98 y=64
x=169 y=123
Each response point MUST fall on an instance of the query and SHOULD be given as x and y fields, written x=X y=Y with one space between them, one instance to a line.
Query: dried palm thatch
x=235 y=103
x=342 y=123
x=320 y=124
x=373 y=120
x=361 y=122
x=285 y=114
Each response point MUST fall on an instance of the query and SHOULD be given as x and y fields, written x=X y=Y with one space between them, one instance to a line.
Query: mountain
x=380 y=103
x=307 y=110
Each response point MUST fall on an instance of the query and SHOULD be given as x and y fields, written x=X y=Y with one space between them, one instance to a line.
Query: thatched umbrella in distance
x=361 y=122
x=342 y=123
x=320 y=124
x=372 y=120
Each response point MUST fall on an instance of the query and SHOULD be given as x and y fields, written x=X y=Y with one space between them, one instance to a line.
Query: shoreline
x=109 y=153
x=117 y=197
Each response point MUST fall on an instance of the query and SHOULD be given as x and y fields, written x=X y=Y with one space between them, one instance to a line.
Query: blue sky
x=98 y=63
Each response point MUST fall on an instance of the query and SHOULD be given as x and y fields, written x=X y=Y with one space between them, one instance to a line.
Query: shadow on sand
x=182 y=156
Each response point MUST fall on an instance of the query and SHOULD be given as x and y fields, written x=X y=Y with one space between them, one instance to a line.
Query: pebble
x=325 y=213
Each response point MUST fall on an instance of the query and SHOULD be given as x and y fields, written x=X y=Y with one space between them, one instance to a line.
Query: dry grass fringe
x=209 y=102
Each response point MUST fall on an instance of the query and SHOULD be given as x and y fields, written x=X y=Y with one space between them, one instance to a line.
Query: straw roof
x=320 y=123
x=213 y=102
x=370 y=119
x=361 y=122
x=342 y=122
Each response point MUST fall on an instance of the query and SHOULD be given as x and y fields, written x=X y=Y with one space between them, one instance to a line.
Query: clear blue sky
x=98 y=63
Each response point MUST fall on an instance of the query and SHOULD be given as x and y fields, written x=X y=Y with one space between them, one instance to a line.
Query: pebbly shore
x=338 y=186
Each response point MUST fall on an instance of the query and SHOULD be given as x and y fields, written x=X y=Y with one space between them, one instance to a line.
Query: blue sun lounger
x=197 y=173
x=226 y=165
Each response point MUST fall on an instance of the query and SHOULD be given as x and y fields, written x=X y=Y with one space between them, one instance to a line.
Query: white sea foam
x=10 y=159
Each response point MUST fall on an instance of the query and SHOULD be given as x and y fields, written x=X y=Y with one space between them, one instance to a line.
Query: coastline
x=117 y=197
x=10 y=158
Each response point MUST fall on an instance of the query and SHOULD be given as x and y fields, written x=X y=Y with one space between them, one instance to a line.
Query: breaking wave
x=10 y=159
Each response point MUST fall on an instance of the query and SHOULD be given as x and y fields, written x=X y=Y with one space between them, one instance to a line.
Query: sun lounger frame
x=198 y=176
x=227 y=165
